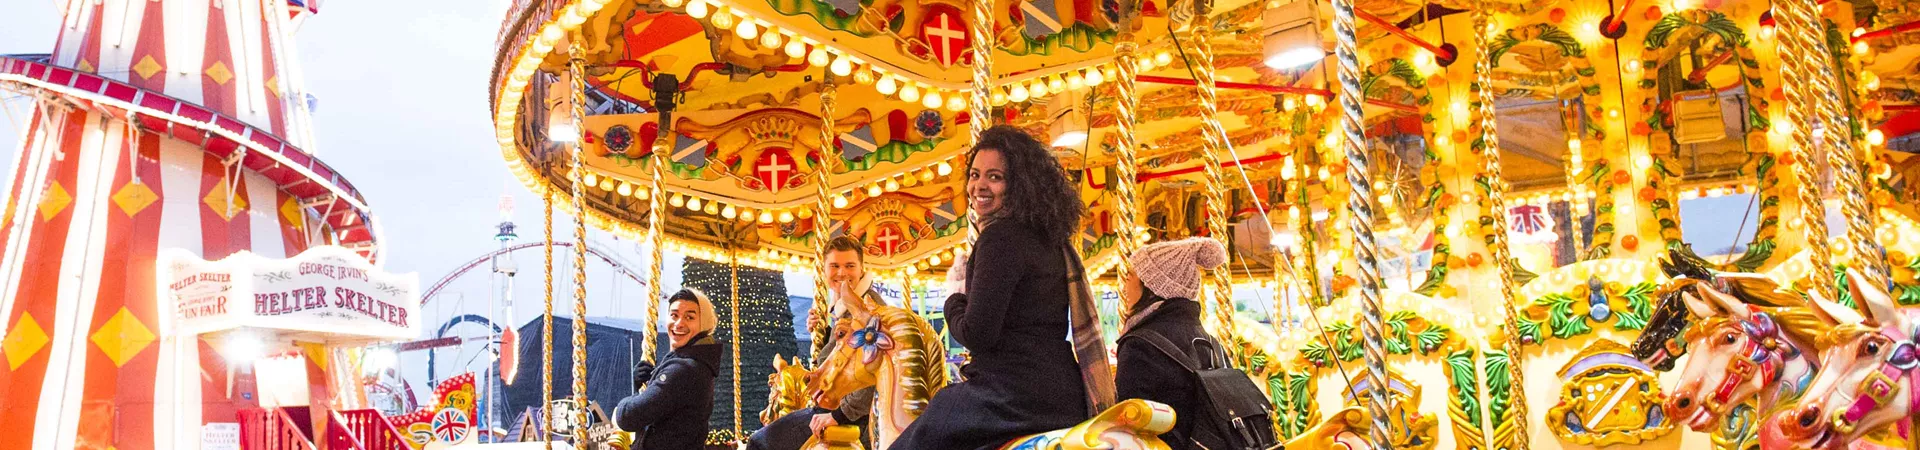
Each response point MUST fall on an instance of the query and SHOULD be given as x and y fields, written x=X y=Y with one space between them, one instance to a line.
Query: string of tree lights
x=766 y=327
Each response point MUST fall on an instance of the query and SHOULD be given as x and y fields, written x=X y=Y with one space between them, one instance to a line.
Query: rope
x=1216 y=138
x=1361 y=203
x=1794 y=23
x=733 y=281
x=1497 y=243
x=1126 y=170
x=656 y=212
x=822 y=222
x=576 y=81
x=546 y=332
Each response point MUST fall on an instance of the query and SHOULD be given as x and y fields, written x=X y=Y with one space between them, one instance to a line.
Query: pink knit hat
x=1172 y=269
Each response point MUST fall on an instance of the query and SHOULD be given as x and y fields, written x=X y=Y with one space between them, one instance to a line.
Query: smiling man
x=669 y=407
x=853 y=297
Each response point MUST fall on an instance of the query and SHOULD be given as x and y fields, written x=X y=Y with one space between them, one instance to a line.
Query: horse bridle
x=1881 y=385
x=1766 y=351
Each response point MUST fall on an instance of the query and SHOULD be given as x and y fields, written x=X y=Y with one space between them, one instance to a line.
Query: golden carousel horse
x=1866 y=382
x=787 y=389
x=893 y=352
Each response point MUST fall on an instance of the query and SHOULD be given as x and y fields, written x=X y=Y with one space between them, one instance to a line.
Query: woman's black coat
x=1013 y=318
x=1145 y=372
x=672 y=409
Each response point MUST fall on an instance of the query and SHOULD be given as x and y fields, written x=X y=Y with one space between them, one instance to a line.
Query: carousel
x=1460 y=224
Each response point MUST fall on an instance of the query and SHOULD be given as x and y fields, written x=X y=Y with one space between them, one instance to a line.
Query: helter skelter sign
x=325 y=289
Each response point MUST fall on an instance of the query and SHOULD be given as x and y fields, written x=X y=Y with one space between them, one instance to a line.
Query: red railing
x=374 y=430
x=338 y=437
x=271 y=429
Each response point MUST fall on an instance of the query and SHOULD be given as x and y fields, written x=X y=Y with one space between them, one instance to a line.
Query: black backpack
x=1234 y=415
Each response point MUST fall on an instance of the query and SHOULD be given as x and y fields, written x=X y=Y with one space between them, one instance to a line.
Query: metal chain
x=1793 y=23
x=577 y=83
x=822 y=222
x=1360 y=202
x=1215 y=142
x=1497 y=247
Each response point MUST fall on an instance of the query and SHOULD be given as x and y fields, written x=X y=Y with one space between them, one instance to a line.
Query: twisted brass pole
x=822 y=221
x=1360 y=201
x=1841 y=154
x=546 y=329
x=576 y=79
x=1216 y=193
x=978 y=107
x=1126 y=60
x=1497 y=244
x=733 y=282
x=1794 y=84
x=656 y=236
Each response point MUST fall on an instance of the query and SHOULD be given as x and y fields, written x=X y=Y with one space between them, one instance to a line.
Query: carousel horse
x=1867 y=378
x=1749 y=341
x=889 y=351
x=787 y=387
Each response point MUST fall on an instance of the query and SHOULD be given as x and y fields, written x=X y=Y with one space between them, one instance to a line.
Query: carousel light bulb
x=1861 y=48
x=1633 y=66
x=1332 y=141
x=1094 y=78
x=747 y=31
x=863 y=76
x=804 y=213
x=873 y=190
x=677 y=201
x=697 y=9
x=842 y=66
x=1857 y=31
x=997 y=98
x=1876 y=137
x=1324 y=174
x=1075 y=81
x=712 y=208
x=925 y=175
x=766 y=217
x=724 y=18
x=693 y=203
x=957 y=103
x=1054 y=84
x=606 y=184
x=1110 y=72
x=1316 y=101
x=673 y=3
x=892 y=185
x=886 y=86
x=840 y=201
x=642 y=193
x=908 y=180
x=932 y=99
x=729 y=212
x=1423 y=60
x=1163 y=58
x=910 y=93
x=1288 y=104
x=772 y=38
x=943 y=169
x=1869 y=80
x=1017 y=93
x=746 y=215
x=785 y=217
x=1287 y=169
x=796 y=49
x=1037 y=88
x=625 y=190
x=819 y=57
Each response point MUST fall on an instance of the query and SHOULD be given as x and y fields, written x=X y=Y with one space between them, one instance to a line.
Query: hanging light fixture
x=819 y=56
x=886 y=86
x=796 y=49
x=1069 y=125
x=1292 y=35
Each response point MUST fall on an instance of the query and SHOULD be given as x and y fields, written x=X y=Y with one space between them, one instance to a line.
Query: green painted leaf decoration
x=1466 y=384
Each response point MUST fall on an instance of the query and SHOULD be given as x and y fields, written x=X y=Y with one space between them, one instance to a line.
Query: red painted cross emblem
x=946 y=34
x=774 y=168
x=890 y=239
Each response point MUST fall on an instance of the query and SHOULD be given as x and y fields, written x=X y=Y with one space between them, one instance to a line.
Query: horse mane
x=919 y=361
x=1844 y=333
x=1802 y=324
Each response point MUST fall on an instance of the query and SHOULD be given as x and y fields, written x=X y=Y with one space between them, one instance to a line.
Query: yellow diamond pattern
x=147 y=67
x=273 y=85
x=122 y=337
x=219 y=73
x=53 y=201
x=290 y=210
x=217 y=199
x=85 y=66
x=23 y=341
x=134 y=197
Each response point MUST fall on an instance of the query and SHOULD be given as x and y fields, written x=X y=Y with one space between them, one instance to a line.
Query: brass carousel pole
x=1359 y=166
x=1497 y=245
x=656 y=235
x=1796 y=24
x=577 y=103
x=733 y=282
x=822 y=222
x=1126 y=60
x=1841 y=155
x=1216 y=141
x=978 y=107
x=546 y=332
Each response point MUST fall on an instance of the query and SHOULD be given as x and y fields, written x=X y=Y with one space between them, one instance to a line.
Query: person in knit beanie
x=670 y=404
x=1159 y=295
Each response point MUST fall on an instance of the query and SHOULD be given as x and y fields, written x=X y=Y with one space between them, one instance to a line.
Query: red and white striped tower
x=158 y=124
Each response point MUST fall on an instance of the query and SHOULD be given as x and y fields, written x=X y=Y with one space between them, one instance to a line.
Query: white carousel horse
x=1866 y=382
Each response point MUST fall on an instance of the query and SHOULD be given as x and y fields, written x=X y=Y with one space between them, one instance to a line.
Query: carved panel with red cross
x=775 y=170
x=946 y=34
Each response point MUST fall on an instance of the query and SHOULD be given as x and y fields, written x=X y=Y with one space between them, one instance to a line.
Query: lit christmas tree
x=766 y=323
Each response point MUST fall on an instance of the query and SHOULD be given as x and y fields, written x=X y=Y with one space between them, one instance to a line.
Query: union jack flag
x=1529 y=219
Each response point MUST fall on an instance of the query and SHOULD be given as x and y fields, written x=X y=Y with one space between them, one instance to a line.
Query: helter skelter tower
x=156 y=125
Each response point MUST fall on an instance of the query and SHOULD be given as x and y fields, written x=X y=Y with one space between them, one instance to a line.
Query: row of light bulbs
x=764 y=216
